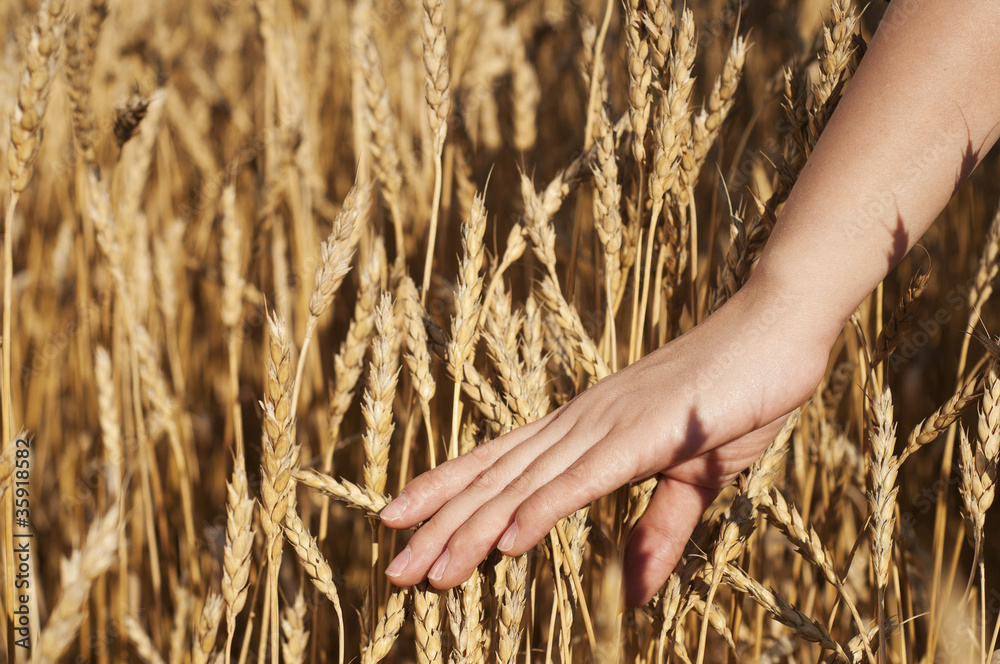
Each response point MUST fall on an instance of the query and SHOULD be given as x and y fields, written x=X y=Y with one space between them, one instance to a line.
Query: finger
x=600 y=470
x=427 y=493
x=415 y=562
x=479 y=533
x=661 y=535
x=681 y=497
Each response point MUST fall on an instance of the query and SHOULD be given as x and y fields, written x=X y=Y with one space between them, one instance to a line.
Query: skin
x=918 y=115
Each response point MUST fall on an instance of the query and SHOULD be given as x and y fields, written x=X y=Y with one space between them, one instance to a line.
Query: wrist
x=809 y=313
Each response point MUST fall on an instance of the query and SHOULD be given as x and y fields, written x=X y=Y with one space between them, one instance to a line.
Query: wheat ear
x=979 y=469
x=437 y=89
x=336 y=253
x=316 y=566
x=355 y=496
x=427 y=626
x=79 y=572
x=882 y=489
x=239 y=545
x=787 y=519
x=902 y=319
x=296 y=636
x=279 y=458
x=465 y=610
x=640 y=75
x=742 y=517
x=381 y=125
x=378 y=398
x=144 y=647
x=207 y=628
x=386 y=630
x=928 y=430
x=418 y=357
x=804 y=627
x=464 y=324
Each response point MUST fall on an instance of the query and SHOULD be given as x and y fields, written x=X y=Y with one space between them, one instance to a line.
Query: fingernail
x=509 y=535
x=397 y=566
x=440 y=565
x=395 y=509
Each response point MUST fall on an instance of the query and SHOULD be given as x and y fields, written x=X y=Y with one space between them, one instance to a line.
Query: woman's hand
x=697 y=411
x=703 y=407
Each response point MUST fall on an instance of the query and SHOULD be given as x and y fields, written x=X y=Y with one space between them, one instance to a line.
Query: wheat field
x=266 y=260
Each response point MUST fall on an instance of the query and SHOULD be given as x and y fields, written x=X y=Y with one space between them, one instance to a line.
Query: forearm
x=919 y=113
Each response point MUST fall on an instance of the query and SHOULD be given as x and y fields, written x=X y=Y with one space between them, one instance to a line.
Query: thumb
x=660 y=536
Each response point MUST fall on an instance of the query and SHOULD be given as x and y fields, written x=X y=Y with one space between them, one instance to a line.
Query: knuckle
x=425 y=486
x=488 y=482
x=487 y=454
x=521 y=484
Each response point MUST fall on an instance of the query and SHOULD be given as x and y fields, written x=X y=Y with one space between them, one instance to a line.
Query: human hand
x=697 y=412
